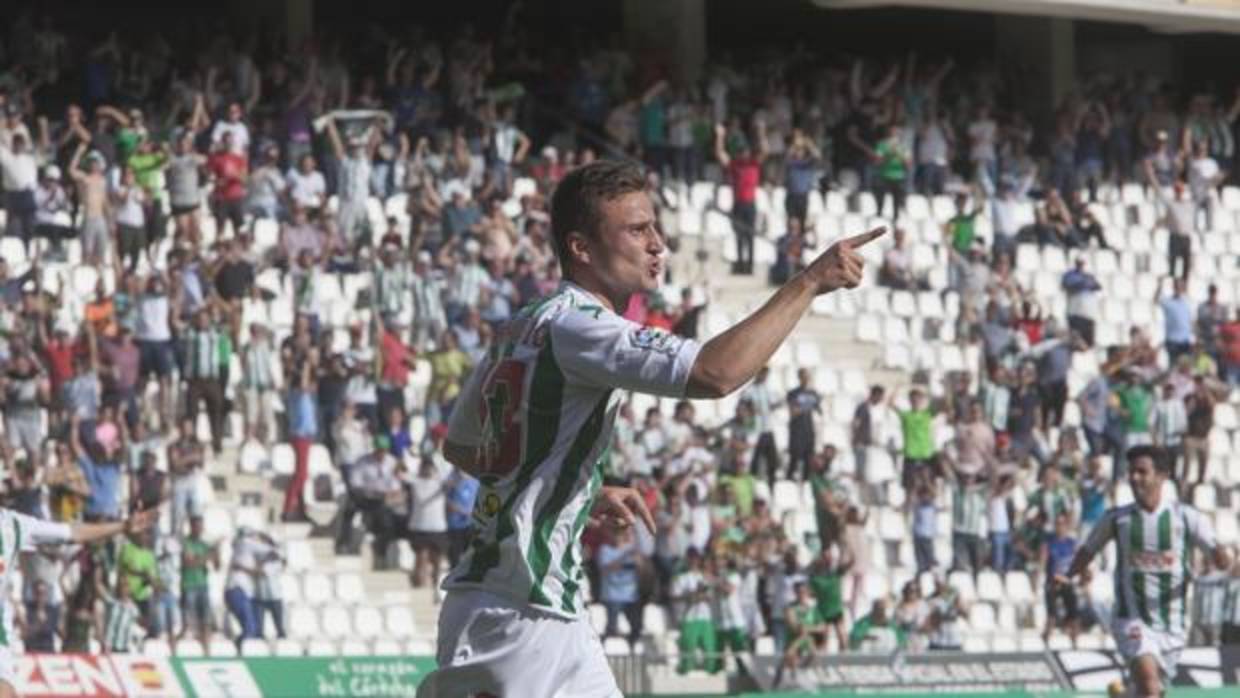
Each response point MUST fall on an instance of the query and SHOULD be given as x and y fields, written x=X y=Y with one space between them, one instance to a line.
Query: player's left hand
x=620 y=507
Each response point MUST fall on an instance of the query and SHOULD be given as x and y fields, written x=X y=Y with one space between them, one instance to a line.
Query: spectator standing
x=186 y=460
x=1177 y=319
x=698 y=641
x=765 y=454
x=744 y=171
x=826 y=581
x=803 y=403
x=970 y=494
x=428 y=525
x=230 y=168
x=1082 y=289
x=462 y=490
x=269 y=589
x=19 y=170
x=863 y=428
x=618 y=561
x=197 y=559
x=946 y=609
x=1199 y=407
x=920 y=456
x=1179 y=218
x=925 y=525
x=202 y=375
x=894 y=164
x=303 y=427
x=1062 y=605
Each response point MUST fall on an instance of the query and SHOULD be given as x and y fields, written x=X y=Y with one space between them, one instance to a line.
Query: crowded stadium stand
x=244 y=274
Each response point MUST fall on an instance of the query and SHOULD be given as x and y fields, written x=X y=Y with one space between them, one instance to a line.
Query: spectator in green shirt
x=874 y=631
x=894 y=161
x=916 y=425
x=961 y=232
x=196 y=555
x=807 y=632
x=136 y=562
x=826 y=580
x=828 y=497
x=1135 y=402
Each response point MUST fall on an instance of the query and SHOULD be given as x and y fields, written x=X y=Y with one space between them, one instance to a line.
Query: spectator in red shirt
x=397 y=359
x=744 y=174
x=230 y=171
x=1229 y=332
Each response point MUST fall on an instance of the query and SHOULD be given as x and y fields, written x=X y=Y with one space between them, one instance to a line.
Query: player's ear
x=578 y=248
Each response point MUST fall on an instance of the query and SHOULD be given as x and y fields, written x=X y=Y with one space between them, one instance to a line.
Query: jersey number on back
x=501 y=403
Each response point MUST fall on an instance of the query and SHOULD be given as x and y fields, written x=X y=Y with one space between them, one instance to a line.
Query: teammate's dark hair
x=1162 y=463
x=574 y=205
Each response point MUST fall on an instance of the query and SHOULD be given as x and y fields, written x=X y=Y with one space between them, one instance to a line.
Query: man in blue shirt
x=462 y=490
x=800 y=176
x=102 y=473
x=1177 y=320
x=1061 y=597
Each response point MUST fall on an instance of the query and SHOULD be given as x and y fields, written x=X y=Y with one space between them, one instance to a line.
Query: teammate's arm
x=731 y=359
x=38 y=531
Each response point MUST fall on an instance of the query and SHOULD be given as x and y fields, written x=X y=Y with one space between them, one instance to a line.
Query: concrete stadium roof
x=1165 y=16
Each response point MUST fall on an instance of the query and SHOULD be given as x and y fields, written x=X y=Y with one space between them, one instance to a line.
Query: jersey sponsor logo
x=651 y=339
x=1162 y=561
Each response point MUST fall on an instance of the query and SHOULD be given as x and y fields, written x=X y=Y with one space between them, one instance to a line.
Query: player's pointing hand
x=621 y=507
x=841 y=265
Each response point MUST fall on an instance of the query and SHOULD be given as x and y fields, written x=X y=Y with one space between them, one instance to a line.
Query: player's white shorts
x=1135 y=639
x=490 y=647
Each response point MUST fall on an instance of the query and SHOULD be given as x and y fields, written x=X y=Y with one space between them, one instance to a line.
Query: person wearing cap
x=51 y=218
x=92 y=196
x=373 y=487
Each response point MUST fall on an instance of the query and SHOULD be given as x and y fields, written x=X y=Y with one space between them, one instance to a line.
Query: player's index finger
x=864 y=238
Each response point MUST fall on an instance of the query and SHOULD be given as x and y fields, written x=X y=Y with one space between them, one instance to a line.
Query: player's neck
x=615 y=301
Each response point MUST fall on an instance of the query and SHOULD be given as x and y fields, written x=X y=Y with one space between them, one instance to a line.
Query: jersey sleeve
x=33 y=532
x=608 y=351
x=465 y=424
x=1200 y=531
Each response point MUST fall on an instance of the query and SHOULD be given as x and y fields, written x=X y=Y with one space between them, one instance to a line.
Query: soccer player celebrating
x=1152 y=535
x=19 y=532
x=534 y=420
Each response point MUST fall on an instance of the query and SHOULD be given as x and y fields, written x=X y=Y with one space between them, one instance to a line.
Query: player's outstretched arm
x=90 y=532
x=731 y=359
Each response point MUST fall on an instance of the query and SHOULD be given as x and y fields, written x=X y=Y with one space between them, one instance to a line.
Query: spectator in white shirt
x=1169 y=422
x=428 y=521
x=19 y=172
x=234 y=125
x=306 y=186
x=1204 y=175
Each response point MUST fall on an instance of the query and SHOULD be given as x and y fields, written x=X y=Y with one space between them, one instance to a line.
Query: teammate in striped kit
x=534 y=421
x=18 y=533
x=1153 y=537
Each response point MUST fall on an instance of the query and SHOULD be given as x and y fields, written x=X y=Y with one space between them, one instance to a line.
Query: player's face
x=627 y=253
x=1146 y=482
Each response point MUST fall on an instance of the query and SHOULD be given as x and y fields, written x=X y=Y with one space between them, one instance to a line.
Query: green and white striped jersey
x=19 y=532
x=1154 y=564
x=969 y=508
x=120 y=622
x=540 y=410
